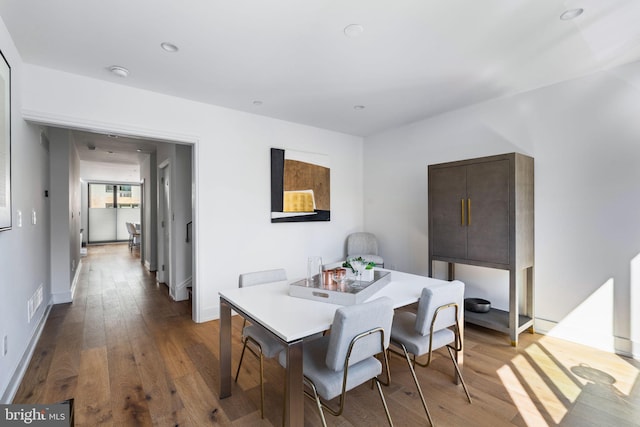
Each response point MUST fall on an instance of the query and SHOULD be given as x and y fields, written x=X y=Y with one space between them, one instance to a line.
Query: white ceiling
x=415 y=58
x=93 y=147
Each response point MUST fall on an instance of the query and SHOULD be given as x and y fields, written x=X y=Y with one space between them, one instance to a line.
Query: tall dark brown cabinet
x=481 y=213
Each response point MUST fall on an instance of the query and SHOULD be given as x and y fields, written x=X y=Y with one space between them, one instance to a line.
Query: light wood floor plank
x=93 y=378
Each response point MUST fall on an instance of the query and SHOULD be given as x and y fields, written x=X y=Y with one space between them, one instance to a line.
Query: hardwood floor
x=130 y=356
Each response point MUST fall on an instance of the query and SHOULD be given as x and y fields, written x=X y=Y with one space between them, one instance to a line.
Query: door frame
x=165 y=227
x=163 y=135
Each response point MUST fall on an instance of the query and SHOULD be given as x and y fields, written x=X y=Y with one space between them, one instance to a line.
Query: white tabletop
x=292 y=318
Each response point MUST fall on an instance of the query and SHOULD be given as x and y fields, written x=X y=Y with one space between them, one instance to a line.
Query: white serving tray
x=349 y=293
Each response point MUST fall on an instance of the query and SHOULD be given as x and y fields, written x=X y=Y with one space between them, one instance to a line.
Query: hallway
x=125 y=351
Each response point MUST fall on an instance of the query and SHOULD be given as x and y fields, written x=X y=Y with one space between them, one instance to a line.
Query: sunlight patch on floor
x=551 y=377
x=538 y=385
x=605 y=368
x=527 y=408
x=561 y=380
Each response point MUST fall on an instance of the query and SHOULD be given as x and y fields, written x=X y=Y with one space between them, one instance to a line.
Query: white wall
x=177 y=159
x=65 y=196
x=232 y=227
x=149 y=175
x=109 y=172
x=183 y=208
x=24 y=251
x=584 y=137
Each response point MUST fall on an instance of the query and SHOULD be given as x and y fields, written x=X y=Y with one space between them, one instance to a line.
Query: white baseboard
x=180 y=292
x=76 y=277
x=626 y=347
x=542 y=326
x=16 y=379
x=209 y=313
x=67 y=296
x=618 y=345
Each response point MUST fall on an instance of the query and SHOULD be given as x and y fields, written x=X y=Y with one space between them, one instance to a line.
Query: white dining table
x=291 y=319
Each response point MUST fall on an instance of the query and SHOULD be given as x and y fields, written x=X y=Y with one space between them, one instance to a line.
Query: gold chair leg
x=261 y=386
x=244 y=347
x=455 y=364
x=284 y=398
x=384 y=403
x=318 y=402
x=415 y=380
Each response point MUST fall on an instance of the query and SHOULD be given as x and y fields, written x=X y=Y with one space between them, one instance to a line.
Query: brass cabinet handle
x=462 y=212
x=468 y=211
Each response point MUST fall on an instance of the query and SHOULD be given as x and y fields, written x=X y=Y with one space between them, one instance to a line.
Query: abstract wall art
x=300 y=186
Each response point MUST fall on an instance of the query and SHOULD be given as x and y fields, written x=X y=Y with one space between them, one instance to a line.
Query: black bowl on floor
x=477 y=305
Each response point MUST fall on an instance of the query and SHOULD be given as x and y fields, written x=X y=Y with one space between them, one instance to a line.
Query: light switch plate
x=19 y=219
x=33 y=217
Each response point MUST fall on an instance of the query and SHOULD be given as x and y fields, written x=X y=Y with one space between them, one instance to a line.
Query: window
x=111 y=206
x=128 y=196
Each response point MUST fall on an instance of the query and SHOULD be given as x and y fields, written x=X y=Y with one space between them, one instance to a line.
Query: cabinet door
x=488 y=230
x=447 y=190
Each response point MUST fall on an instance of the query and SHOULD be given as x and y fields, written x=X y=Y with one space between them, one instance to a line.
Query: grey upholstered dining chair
x=134 y=235
x=259 y=342
x=346 y=358
x=364 y=245
x=435 y=325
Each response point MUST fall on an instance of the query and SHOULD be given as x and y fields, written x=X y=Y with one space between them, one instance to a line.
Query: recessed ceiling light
x=571 y=14
x=257 y=103
x=119 y=71
x=353 y=30
x=139 y=150
x=358 y=107
x=169 y=47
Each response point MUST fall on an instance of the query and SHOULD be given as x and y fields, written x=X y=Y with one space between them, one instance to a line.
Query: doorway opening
x=111 y=207
x=121 y=157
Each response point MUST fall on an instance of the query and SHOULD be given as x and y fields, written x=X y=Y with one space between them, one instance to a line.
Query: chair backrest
x=130 y=228
x=362 y=243
x=259 y=277
x=431 y=299
x=350 y=321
